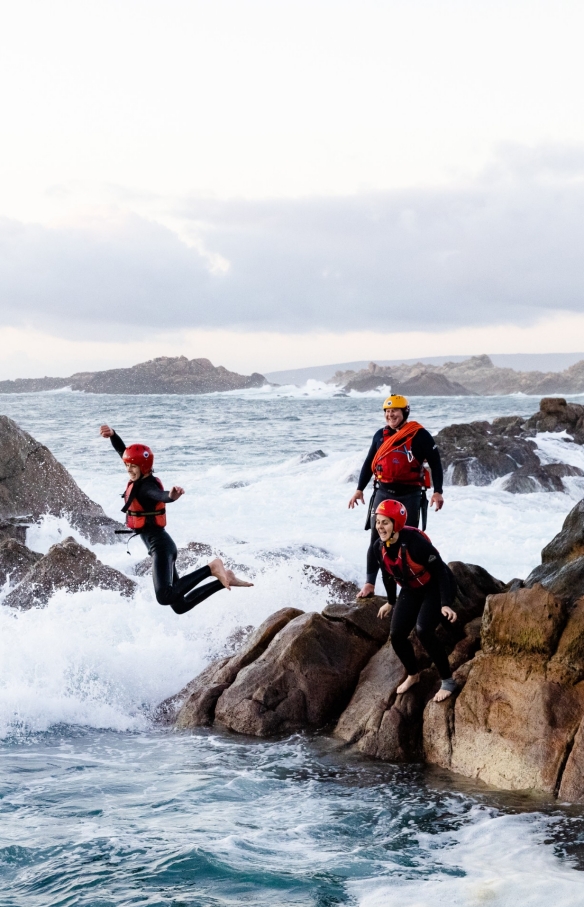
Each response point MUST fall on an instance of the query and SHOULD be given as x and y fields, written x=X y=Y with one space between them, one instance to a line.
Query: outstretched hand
x=449 y=614
x=176 y=492
x=105 y=431
x=384 y=610
x=358 y=496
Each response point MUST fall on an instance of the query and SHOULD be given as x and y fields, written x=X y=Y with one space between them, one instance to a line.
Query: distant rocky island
x=164 y=375
x=476 y=375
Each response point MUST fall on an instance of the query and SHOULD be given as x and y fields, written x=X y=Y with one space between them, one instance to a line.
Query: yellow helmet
x=396 y=401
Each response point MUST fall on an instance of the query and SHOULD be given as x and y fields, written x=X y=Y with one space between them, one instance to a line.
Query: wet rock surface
x=70 y=567
x=15 y=561
x=33 y=483
x=477 y=453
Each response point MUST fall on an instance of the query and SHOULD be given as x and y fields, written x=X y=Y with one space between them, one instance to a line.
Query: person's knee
x=164 y=596
x=424 y=634
x=397 y=637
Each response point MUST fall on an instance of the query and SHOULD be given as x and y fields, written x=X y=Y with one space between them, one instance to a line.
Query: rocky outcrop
x=300 y=671
x=67 y=566
x=480 y=452
x=164 y=375
x=518 y=722
x=476 y=375
x=419 y=382
x=33 y=483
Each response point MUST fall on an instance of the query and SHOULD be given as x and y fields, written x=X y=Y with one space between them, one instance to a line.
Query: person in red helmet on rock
x=396 y=460
x=145 y=503
x=408 y=558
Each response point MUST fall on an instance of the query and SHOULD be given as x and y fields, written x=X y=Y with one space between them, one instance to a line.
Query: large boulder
x=33 y=483
x=377 y=722
x=555 y=414
x=68 y=566
x=297 y=671
x=195 y=705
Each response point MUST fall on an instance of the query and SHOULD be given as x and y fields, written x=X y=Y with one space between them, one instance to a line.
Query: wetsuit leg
x=403 y=620
x=429 y=616
x=168 y=587
x=412 y=502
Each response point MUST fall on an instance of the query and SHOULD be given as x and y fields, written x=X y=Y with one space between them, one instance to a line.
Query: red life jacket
x=404 y=569
x=394 y=462
x=136 y=516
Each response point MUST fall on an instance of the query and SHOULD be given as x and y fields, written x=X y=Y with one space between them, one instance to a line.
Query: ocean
x=99 y=807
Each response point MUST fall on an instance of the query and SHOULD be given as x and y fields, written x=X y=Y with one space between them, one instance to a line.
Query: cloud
x=505 y=249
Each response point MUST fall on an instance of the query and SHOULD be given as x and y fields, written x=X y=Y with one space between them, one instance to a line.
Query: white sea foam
x=498 y=861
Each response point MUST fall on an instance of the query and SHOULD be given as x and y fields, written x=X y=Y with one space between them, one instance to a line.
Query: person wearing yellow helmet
x=397 y=460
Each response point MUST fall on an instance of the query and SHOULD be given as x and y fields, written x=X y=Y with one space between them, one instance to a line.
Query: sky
x=283 y=184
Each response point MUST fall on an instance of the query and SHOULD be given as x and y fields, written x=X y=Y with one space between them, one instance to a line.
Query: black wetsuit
x=424 y=449
x=170 y=589
x=422 y=607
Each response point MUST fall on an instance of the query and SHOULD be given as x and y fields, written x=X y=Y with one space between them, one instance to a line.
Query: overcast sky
x=278 y=184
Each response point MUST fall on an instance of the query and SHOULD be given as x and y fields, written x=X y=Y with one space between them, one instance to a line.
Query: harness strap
x=146 y=512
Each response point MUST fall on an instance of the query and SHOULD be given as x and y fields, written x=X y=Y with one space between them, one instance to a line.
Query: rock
x=476 y=454
x=556 y=414
x=480 y=452
x=304 y=679
x=340 y=590
x=543 y=478
x=67 y=566
x=164 y=375
x=15 y=560
x=314 y=455
x=512 y=726
x=526 y=622
x=418 y=381
x=33 y=483
x=562 y=569
x=14 y=529
x=195 y=705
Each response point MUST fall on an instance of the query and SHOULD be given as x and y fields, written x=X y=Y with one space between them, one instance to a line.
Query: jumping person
x=407 y=557
x=396 y=459
x=145 y=508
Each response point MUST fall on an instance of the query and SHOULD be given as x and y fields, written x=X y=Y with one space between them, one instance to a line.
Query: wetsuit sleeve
x=366 y=474
x=424 y=448
x=423 y=552
x=150 y=490
x=117 y=444
x=388 y=581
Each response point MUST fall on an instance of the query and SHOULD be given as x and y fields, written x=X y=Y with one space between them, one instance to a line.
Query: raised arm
x=117 y=443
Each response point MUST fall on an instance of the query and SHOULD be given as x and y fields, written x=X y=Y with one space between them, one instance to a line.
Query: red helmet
x=139 y=455
x=395 y=512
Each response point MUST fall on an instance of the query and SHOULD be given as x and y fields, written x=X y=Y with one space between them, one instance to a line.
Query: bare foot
x=218 y=570
x=367 y=591
x=235 y=581
x=410 y=680
x=441 y=695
